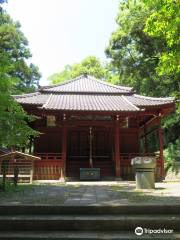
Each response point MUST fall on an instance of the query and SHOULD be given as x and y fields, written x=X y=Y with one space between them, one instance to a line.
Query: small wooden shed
x=22 y=162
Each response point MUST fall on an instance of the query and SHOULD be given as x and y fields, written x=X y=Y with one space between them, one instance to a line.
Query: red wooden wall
x=49 y=142
x=129 y=142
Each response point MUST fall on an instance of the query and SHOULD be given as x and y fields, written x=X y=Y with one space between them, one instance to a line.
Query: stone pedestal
x=144 y=172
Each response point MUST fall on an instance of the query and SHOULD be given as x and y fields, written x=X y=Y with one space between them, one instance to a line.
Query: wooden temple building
x=88 y=123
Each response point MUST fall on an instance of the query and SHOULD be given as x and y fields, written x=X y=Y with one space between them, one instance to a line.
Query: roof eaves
x=154 y=98
x=138 y=109
x=26 y=95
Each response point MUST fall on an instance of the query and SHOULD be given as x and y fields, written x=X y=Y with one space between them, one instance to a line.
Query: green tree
x=90 y=65
x=61 y=76
x=139 y=51
x=14 y=71
x=134 y=54
x=14 y=50
x=164 y=23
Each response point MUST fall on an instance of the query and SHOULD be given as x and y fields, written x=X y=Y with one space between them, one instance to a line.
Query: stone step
x=90 y=210
x=89 y=222
x=83 y=235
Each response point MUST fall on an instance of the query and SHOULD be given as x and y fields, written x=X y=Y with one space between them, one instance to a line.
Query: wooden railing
x=24 y=168
x=49 y=167
x=49 y=156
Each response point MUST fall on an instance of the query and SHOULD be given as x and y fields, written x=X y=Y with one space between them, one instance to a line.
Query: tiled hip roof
x=94 y=102
x=85 y=93
x=89 y=103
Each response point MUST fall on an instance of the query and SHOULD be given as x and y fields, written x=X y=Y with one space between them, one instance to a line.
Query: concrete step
x=83 y=235
x=90 y=210
x=89 y=222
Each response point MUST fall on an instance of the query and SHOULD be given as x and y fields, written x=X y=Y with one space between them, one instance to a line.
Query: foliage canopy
x=16 y=76
x=90 y=65
x=144 y=50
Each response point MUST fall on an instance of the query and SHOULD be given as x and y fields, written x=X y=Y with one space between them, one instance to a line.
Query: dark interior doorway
x=79 y=148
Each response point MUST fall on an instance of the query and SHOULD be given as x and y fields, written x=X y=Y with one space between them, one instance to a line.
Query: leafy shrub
x=172 y=154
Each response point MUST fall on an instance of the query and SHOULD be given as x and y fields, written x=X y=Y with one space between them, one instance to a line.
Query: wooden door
x=78 y=144
x=101 y=145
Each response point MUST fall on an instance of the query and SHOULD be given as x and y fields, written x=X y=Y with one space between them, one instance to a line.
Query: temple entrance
x=78 y=145
x=89 y=147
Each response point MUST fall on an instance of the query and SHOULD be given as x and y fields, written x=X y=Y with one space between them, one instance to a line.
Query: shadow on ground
x=88 y=194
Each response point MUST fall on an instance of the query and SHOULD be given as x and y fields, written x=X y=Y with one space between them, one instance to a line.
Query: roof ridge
x=123 y=97
x=90 y=77
x=61 y=83
x=155 y=98
x=48 y=100
x=110 y=84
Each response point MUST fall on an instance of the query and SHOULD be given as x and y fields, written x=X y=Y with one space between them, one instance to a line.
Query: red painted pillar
x=64 y=148
x=117 y=148
x=161 y=143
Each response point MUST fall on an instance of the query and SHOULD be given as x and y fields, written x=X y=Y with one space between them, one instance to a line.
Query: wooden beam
x=87 y=112
x=151 y=122
x=77 y=123
x=142 y=135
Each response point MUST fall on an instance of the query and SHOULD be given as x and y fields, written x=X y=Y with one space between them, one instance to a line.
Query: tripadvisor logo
x=139 y=231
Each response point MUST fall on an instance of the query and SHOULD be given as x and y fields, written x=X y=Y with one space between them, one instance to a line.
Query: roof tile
x=88 y=93
x=89 y=103
x=87 y=84
x=32 y=98
x=140 y=100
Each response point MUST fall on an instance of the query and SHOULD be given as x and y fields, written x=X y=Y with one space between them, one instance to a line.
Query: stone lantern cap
x=143 y=162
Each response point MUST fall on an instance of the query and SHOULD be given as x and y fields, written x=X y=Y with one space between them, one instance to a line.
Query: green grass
x=10 y=188
x=139 y=197
x=133 y=195
x=38 y=193
x=58 y=193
